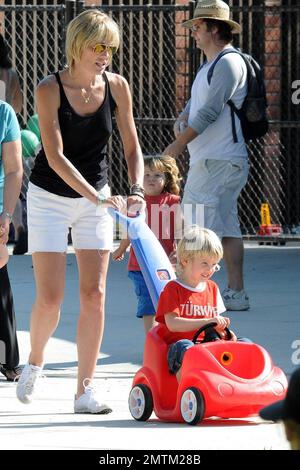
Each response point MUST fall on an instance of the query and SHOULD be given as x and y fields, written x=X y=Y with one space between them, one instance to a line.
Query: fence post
x=192 y=66
x=70 y=10
x=79 y=6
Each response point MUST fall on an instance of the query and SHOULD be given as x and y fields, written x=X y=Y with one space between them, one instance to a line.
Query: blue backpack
x=253 y=113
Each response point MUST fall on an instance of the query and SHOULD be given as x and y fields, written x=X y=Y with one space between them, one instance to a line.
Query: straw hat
x=214 y=10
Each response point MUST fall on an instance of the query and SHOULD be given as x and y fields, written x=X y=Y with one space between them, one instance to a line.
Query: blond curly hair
x=167 y=165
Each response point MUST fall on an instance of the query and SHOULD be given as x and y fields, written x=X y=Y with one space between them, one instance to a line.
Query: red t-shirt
x=160 y=211
x=190 y=303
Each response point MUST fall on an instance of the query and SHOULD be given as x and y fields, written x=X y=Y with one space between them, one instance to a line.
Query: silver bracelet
x=100 y=199
x=7 y=215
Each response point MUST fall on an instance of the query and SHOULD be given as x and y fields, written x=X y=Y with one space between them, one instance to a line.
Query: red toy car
x=220 y=378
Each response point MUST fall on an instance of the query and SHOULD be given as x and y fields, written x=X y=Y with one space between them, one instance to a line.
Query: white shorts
x=49 y=217
x=212 y=190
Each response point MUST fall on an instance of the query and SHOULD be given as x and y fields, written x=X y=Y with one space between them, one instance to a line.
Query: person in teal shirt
x=10 y=185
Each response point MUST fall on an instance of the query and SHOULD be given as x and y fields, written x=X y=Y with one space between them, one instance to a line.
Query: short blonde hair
x=90 y=26
x=198 y=241
x=167 y=165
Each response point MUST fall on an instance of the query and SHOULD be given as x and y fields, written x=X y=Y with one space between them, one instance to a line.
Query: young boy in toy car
x=193 y=299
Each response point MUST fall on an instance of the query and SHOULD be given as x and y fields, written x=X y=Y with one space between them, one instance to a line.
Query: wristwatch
x=100 y=199
x=6 y=215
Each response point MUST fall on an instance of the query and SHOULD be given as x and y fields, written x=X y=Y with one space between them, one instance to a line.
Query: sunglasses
x=99 y=48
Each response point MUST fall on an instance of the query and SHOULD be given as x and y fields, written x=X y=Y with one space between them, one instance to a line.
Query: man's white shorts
x=211 y=193
x=49 y=217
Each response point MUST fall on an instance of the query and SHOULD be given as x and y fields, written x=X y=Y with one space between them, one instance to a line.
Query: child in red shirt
x=161 y=184
x=192 y=300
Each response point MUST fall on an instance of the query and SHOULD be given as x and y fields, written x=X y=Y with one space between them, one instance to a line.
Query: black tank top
x=84 y=144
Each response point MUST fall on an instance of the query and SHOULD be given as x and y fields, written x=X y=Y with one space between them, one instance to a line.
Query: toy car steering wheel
x=210 y=333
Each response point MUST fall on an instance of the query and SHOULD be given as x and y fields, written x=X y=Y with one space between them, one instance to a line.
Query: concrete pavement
x=272 y=278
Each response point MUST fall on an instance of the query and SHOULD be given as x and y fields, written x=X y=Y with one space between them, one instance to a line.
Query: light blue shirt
x=209 y=115
x=9 y=132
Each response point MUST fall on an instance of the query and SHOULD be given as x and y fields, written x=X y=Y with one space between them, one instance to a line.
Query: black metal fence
x=35 y=36
x=158 y=59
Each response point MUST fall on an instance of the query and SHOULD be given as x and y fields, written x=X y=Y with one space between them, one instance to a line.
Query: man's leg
x=234 y=296
x=219 y=184
x=233 y=258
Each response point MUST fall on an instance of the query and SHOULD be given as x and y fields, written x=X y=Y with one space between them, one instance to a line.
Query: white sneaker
x=27 y=382
x=235 y=300
x=89 y=403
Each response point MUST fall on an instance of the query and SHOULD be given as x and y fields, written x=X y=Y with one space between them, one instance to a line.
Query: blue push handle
x=152 y=258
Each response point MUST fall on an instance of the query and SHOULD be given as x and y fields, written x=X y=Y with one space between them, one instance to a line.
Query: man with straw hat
x=212 y=133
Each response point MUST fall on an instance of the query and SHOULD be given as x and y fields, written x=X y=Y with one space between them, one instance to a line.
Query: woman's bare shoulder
x=47 y=83
x=119 y=86
x=116 y=79
x=47 y=92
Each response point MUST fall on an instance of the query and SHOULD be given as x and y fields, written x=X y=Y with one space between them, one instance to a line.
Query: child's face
x=154 y=181
x=201 y=267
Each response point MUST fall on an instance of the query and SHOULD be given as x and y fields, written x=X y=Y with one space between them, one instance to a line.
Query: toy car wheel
x=192 y=406
x=140 y=402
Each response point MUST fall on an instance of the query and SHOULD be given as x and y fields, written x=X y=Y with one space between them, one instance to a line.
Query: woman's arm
x=48 y=102
x=124 y=116
x=13 y=172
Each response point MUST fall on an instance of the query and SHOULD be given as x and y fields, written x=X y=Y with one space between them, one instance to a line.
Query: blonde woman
x=68 y=186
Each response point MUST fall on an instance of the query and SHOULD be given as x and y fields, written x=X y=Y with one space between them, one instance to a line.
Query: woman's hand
x=117 y=202
x=135 y=204
x=131 y=204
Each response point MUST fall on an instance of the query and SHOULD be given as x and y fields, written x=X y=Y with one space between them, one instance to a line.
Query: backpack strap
x=234 y=135
x=225 y=52
x=233 y=108
x=200 y=67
